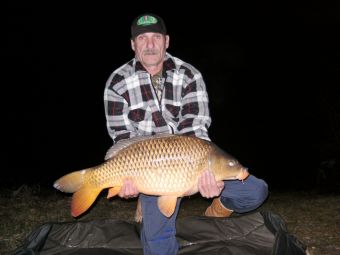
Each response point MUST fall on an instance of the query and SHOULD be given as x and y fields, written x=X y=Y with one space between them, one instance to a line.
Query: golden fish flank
x=164 y=165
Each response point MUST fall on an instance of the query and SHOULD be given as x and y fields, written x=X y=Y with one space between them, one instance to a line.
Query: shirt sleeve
x=116 y=113
x=195 y=117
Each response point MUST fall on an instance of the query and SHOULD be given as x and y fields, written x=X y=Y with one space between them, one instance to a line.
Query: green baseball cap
x=147 y=23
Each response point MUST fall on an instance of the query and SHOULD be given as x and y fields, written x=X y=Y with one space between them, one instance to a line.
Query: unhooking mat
x=258 y=233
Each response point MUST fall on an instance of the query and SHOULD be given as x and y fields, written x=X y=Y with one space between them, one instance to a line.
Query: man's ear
x=132 y=45
x=167 y=41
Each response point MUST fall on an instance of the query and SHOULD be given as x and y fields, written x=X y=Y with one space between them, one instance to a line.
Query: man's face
x=150 y=48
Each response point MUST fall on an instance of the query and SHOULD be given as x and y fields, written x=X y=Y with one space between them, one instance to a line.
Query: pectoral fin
x=113 y=191
x=167 y=205
x=139 y=214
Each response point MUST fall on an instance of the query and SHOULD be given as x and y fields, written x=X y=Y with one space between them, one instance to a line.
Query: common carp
x=163 y=165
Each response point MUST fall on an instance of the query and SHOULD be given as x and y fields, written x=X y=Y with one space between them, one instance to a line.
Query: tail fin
x=71 y=182
x=83 y=199
x=84 y=193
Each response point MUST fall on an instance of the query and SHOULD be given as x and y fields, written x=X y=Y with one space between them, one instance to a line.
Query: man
x=157 y=93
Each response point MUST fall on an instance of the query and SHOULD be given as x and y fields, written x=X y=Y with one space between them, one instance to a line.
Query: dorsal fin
x=122 y=144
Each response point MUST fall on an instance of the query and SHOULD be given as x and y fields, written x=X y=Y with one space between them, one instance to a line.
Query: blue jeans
x=158 y=233
x=244 y=196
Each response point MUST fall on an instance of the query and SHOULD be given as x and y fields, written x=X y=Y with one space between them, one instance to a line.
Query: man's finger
x=202 y=185
x=212 y=184
x=122 y=191
x=220 y=185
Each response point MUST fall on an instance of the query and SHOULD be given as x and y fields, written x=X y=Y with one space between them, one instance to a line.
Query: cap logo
x=146 y=21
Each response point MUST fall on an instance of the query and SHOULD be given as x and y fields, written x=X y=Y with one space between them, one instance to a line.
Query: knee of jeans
x=262 y=192
x=249 y=202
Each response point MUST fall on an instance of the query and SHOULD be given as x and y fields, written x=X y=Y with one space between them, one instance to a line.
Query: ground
x=312 y=217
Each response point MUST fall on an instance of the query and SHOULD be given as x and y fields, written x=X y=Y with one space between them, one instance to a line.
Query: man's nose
x=150 y=43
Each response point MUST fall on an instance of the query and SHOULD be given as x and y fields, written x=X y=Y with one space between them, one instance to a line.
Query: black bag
x=259 y=233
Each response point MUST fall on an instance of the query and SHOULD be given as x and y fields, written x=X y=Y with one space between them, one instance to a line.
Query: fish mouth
x=243 y=174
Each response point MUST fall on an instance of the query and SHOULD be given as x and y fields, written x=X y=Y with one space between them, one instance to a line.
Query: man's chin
x=151 y=62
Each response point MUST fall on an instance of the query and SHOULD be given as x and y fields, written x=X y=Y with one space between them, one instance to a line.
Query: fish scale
x=162 y=164
x=167 y=166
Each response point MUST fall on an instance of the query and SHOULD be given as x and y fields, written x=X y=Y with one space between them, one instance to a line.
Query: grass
x=313 y=218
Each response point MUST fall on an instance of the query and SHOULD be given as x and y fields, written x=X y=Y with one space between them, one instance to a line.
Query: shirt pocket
x=141 y=119
x=172 y=111
x=137 y=115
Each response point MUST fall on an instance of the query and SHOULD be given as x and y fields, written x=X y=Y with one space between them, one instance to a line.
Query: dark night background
x=272 y=72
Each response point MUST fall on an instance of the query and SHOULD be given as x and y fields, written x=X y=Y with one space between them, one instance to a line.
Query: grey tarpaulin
x=258 y=233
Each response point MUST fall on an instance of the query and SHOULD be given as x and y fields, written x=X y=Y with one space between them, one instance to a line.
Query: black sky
x=272 y=73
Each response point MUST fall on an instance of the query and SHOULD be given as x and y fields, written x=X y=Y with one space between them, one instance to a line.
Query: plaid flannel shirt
x=133 y=109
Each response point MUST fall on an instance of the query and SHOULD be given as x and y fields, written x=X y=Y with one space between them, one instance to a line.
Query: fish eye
x=231 y=163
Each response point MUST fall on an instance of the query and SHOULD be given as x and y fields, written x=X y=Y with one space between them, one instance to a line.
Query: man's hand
x=207 y=185
x=128 y=190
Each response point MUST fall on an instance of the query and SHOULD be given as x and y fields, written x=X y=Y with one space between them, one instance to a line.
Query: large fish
x=167 y=166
